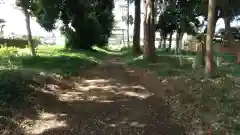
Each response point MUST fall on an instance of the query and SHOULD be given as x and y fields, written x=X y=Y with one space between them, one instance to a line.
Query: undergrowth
x=201 y=105
x=23 y=79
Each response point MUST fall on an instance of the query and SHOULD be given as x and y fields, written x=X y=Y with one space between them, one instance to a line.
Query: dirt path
x=108 y=100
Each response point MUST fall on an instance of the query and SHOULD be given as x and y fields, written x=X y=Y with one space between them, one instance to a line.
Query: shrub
x=14 y=88
x=8 y=51
x=19 y=43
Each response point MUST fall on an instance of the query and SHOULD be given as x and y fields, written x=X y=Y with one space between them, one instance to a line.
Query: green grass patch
x=164 y=66
x=24 y=80
x=167 y=63
x=206 y=105
x=54 y=59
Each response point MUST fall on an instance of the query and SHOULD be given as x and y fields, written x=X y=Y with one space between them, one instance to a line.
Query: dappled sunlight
x=137 y=88
x=96 y=81
x=45 y=122
x=208 y=103
x=71 y=96
x=135 y=94
x=105 y=99
x=101 y=90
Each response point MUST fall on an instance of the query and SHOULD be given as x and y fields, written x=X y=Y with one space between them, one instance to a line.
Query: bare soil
x=110 y=99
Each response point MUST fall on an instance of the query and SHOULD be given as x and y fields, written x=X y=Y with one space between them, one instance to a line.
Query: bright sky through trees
x=16 y=20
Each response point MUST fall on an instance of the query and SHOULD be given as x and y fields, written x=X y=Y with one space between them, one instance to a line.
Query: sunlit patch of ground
x=104 y=100
x=103 y=90
x=97 y=88
x=45 y=122
x=202 y=106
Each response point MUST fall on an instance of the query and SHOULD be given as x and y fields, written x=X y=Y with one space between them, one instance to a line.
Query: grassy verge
x=23 y=79
x=201 y=105
x=54 y=59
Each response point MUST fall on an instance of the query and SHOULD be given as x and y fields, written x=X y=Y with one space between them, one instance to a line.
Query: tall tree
x=137 y=23
x=149 y=31
x=26 y=6
x=85 y=23
x=209 y=40
x=170 y=41
x=230 y=9
x=227 y=20
x=181 y=17
x=128 y=14
x=166 y=24
x=226 y=9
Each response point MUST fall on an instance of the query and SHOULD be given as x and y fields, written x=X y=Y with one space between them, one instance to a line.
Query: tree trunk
x=137 y=21
x=228 y=32
x=149 y=32
x=128 y=40
x=164 y=42
x=160 y=42
x=181 y=45
x=203 y=42
x=177 y=43
x=199 y=59
x=209 y=41
x=170 y=42
x=29 y=33
x=179 y=37
x=214 y=24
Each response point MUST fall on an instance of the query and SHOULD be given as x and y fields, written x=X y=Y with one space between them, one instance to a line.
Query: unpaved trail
x=110 y=99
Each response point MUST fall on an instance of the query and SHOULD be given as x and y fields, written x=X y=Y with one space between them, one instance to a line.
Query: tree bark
x=228 y=32
x=203 y=42
x=170 y=42
x=179 y=36
x=164 y=42
x=149 y=32
x=209 y=41
x=128 y=40
x=160 y=41
x=137 y=21
x=177 y=43
x=29 y=33
x=180 y=42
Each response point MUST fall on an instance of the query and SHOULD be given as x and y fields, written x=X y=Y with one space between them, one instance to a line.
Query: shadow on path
x=101 y=101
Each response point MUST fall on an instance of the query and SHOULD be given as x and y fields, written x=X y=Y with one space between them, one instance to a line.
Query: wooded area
x=90 y=87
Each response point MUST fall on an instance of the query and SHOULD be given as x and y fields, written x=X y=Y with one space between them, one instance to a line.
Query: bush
x=14 y=88
x=19 y=43
x=8 y=51
x=85 y=24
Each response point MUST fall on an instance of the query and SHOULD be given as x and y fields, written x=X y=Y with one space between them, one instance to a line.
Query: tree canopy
x=84 y=23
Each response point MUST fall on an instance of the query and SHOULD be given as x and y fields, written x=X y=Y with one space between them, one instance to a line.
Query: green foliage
x=180 y=16
x=167 y=21
x=8 y=51
x=85 y=24
x=208 y=105
x=19 y=43
x=23 y=79
x=130 y=21
x=50 y=59
x=16 y=94
x=13 y=88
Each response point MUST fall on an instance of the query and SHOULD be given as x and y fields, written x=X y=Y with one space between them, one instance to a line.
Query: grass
x=23 y=78
x=201 y=105
x=54 y=59
x=168 y=64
